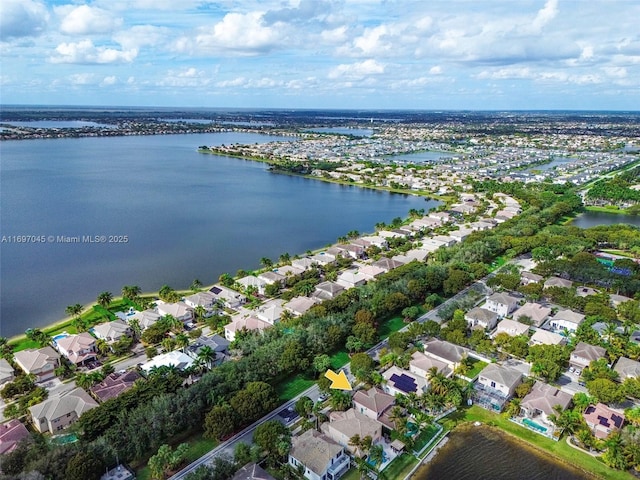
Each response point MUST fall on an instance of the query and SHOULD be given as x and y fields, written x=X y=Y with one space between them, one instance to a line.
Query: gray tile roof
x=315 y=450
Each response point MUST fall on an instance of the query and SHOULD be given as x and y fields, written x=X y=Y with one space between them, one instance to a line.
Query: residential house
x=386 y=264
x=512 y=328
x=289 y=271
x=205 y=300
x=618 y=299
x=545 y=337
x=583 y=355
x=216 y=343
x=79 y=349
x=371 y=272
x=324 y=258
x=399 y=381
x=376 y=241
x=375 y=404
x=496 y=384
x=58 y=412
x=354 y=251
x=557 y=282
x=176 y=358
x=179 y=310
x=6 y=371
x=501 y=303
x=421 y=364
x=481 y=318
x=252 y=471
x=417 y=254
x=391 y=234
x=566 y=319
x=299 y=305
x=39 y=362
x=527 y=278
x=11 y=433
x=229 y=298
x=627 y=368
x=241 y=322
x=270 y=311
x=114 y=384
x=255 y=282
x=603 y=420
x=460 y=235
x=119 y=472
x=351 y=278
x=271 y=278
x=327 y=290
x=146 y=318
x=444 y=240
x=536 y=312
x=344 y=425
x=321 y=457
x=583 y=291
x=443 y=217
x=446 y=352
x=539 y=403
x=112 y=331
x=304 y=263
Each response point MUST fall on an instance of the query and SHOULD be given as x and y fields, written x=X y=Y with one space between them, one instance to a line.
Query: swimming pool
x=60 y=336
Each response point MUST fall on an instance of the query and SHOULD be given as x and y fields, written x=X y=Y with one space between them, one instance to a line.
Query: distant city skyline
x=343 y=54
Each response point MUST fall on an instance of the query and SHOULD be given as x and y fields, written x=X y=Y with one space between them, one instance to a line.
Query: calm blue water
x=554 y=163
x=593 y=219
x=187 y=215
x=57 y=124
x=420 y=157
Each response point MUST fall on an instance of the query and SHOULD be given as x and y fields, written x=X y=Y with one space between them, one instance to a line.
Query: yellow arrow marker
x=339 y=381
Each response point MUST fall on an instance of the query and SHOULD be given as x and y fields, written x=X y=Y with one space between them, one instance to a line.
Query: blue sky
x=360 y=54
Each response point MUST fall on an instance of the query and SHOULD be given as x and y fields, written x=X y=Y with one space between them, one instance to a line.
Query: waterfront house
x=6 y=371
x=627 y=368
x=566 y=319
x=501 y=303
x=58 y=412
x=583 y=355
x=327 y=290
x=114 y=385
x=545 y=337
x=527 y=278
x=442 y=217
x=320 y=457
x=228 y=297
x=252 y=471
x=40 y=362
x=271 y=278
x=400 y=381
x=539 y=403
x=603 y=420
x=496 y=384
x=481 y=318
x=255 y=282
x=557 y=282
x=536 y=312
x=205 y=300
x=344 y=425
x=305 y=263
x=179 y=310
x=289 y=271
x=11 y=433
x=146 y=318
x=512 y=328
x=79 y=349
x=112 y=331
x=446 y=352
x=324 y=258
x=299 y=305
x=376 y=241
x=420 y=364
x=176 y=359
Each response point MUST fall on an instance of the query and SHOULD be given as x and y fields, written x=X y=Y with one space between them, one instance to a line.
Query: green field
x=425 y=437
x=392 y=325
x=399 y=467
x=293 y=386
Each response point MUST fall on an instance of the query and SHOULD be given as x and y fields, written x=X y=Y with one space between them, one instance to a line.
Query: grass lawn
x=198 y=446
x=339 y=359
x=399 y=467
x=497 y=263
x=476 y=367
x=425 y=437
x=560 y=449
x=352 y=474
x=290 y=387
x=392 y=325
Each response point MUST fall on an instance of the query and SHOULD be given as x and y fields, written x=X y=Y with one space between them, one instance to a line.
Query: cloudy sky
x=364 y=54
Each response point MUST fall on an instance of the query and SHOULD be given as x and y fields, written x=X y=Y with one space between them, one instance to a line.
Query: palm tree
x=74 y=310
x=207 y=355
x=182 y=341
x=513 y=409
x=134 y=323
x=131 y=292
x=437 y=382
x=167 y=344
x=266 y=262
x=376 y=455
x=396 y=415
x=84 y=380
x=103 y=346
x=104 y=299
x=196 y=285
x=355 y=442
x=200 y=312
x=285 y=259
x=173 y=323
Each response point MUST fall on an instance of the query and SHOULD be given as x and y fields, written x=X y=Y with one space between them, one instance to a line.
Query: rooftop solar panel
x=216 y=290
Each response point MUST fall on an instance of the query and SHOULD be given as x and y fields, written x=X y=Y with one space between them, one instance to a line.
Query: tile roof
x=544 y=397
x=315 y=450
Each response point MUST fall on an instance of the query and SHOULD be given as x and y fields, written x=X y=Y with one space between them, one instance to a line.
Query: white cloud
x=546 y=14
x=85 y=51
x=22 y=18
x=140 y=36
x=435 y=70
x=82 y=78
x=108 y=81
x=86 y=20
x=188 y=77
x=357 y=70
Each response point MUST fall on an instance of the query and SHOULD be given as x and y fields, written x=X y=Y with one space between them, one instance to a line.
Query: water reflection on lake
x=593 y=219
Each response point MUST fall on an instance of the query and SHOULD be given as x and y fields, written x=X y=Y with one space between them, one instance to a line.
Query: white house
x=351 y=278
x=255 y=282
x=501 y=303
x=512 y=328
x=500 y=378
x=319 y=456
x=179 y=310
x=481 y=318
x=175 y=358
x=112 y=331
x=566 y=319
x=230 y=298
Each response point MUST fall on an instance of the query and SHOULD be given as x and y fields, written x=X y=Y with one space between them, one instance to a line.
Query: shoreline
x=469 y=425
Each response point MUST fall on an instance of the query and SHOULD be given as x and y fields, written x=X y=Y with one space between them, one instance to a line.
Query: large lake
x=187 y=215
x=593 y=219
x=480 y=453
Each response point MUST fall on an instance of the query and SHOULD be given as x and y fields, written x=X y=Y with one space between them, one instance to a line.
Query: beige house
x=539 y=403
x=57 y=413
x=583 y=355
x=627 y=368
x=41 y=362
x=512 y=328
x=112 y=331
x=79 y=349
x=603 y=420
x=420 y=364
x=321 y=457
x=344 y=425
x=479 y=317
x=6 y=371
x=536 y=312
x=544 y=337
x=446 y=352
x=375 y=404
